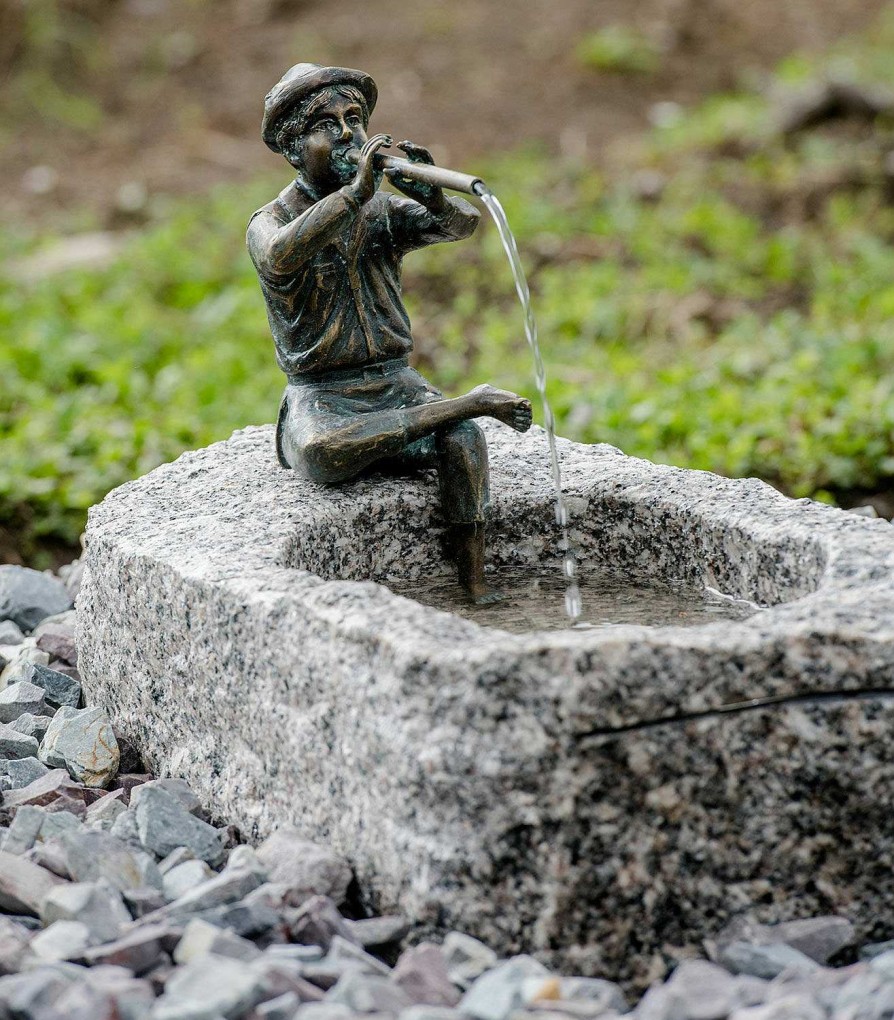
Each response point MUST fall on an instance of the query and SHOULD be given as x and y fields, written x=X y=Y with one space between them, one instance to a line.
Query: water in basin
x=535 y=601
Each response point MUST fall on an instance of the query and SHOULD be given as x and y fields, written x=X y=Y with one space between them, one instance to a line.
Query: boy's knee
x=317 y=459
x=464 y=436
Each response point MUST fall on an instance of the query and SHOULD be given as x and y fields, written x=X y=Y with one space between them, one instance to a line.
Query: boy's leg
x=463 y=476
x=331 y=447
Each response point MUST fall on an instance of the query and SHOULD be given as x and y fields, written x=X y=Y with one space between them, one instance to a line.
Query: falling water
x=573 y=605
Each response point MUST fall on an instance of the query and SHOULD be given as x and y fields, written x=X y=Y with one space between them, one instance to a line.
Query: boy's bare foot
x=465 y=545
x=482 y=594
x=505 y=406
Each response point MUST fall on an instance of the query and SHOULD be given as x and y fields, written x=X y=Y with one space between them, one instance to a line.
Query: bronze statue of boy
x=328 y=254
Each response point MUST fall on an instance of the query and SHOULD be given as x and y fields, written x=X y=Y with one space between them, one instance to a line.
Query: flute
x=428 y=173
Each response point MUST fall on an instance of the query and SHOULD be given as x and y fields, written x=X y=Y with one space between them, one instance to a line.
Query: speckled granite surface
x=451 y=763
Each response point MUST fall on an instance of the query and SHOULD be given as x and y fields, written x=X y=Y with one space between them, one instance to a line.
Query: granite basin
x=596 y=796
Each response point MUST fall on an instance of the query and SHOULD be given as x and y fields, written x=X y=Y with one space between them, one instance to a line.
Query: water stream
x=573 y=605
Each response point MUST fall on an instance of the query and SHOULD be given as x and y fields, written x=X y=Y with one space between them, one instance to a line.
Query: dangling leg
x=463 y=477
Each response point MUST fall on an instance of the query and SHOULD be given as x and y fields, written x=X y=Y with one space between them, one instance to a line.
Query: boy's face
x=333 y=129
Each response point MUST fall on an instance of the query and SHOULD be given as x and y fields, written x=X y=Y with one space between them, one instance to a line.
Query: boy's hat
x=302 y=81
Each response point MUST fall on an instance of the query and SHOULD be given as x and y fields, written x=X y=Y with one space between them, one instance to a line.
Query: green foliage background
x=724 y=301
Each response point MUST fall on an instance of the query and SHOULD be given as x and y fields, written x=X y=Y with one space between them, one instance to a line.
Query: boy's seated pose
x=328 y=253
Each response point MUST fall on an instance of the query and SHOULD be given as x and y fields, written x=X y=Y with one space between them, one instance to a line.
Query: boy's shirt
x=342 y=307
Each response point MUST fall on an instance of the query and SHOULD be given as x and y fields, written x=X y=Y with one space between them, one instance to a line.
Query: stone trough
x=593 y=796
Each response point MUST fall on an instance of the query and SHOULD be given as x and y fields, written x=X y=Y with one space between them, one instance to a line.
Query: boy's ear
x=292 y=152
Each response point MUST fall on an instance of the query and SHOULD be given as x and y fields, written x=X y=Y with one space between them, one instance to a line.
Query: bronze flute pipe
x=428 y=173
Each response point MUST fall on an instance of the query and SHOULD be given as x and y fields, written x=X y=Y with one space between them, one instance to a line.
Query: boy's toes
x=521 y=420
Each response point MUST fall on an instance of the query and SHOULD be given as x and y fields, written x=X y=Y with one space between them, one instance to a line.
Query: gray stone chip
x=467 y=958
x=164 y=824
x=124 y=828
x=184 y=877
x=283 y=1007
x=222 y=890
x=133 y=997
x=820 y=938
x=61 y=689
x=57 y=822
x=368 y=993
x=10 y=633
x=422 y=973
x=317 y=922
x=32 y=725
x=24 y=830
x=61 y=940
x=504 y=989
x=703 y=991
x=379 y=931
x=176 y=787
x=138 y=950
x=28 y=596
x=207 y=987
x=14 y=939
x=17 y=665
x=23 y=884
x=305 y=867
x=96 y=905
x=100 y=856
x=199 y=938
x=35 y=993
x=16 y=745
x=22 y=697
x=765 y=961
x=56 y=635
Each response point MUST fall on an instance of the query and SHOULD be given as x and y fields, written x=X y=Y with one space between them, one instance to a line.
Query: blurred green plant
x=620 y=48
x=727 y=303
x=52 y=42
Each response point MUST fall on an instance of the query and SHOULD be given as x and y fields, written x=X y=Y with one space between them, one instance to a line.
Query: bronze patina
x=328 y=252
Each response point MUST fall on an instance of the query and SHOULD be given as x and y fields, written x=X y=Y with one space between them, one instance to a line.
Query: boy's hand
x=427 y=194
x=366 y=179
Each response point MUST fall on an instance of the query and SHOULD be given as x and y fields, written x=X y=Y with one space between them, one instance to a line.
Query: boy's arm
x=414 y=225
x=427 y=215
x=280 y=249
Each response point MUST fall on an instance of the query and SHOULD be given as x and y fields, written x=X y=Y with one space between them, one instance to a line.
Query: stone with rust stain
x=83 y=742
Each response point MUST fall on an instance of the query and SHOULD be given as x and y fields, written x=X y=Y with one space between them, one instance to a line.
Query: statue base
x=591 y=796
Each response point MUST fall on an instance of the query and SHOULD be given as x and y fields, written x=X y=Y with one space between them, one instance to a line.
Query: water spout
x=573 y=606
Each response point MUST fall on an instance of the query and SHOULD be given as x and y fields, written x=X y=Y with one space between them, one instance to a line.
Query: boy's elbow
x=464 y=219
x=472 y=219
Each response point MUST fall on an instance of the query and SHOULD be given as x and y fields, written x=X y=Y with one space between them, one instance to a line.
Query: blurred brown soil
x=177 y=85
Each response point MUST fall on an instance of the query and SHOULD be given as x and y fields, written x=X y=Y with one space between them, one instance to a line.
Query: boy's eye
x=353 y=119
x=325 y=123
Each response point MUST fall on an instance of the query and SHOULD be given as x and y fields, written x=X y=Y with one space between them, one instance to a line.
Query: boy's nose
x=347 y=133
